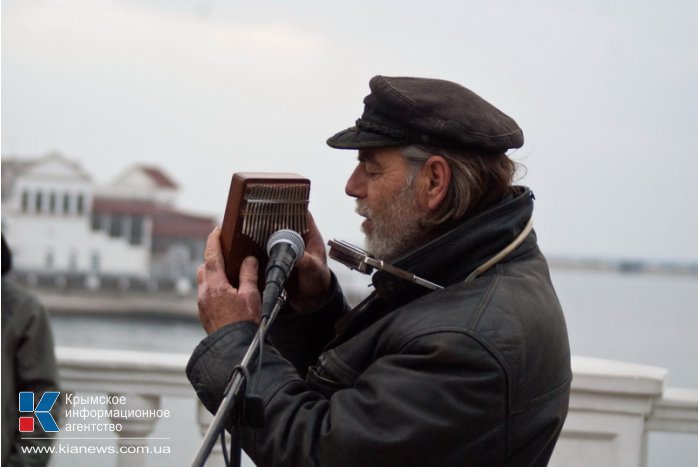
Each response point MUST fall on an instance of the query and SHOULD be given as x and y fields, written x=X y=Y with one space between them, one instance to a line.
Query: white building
x=142 y=182
x=61 y=227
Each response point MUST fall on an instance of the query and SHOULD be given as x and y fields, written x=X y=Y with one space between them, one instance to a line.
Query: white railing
x=613 y=406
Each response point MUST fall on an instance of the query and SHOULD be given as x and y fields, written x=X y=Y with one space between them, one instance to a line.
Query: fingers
x=315 y=253
x=314 y=243
x=248 y=287
x=248 y=276
x=220 y=304
x=213 y=258
x=200 y=274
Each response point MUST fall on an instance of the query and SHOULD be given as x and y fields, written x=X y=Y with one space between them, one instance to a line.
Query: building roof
x=139 y=174
x=158 y=176
x=179 y=224
x=167 y=222
x=109 y=205
x=11 y=169
x=14 y=167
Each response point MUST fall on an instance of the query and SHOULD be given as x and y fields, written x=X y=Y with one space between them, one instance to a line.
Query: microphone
x=284 y=248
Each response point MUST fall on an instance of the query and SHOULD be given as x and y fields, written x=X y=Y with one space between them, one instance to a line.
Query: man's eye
x=371 y=170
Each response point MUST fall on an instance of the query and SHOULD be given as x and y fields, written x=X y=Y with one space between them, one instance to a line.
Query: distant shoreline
x=625 y=266
x=72 y=298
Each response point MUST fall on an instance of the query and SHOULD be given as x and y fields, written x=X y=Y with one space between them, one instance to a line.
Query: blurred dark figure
x=28 y=364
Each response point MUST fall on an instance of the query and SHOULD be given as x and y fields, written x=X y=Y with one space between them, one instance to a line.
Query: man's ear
x=435 y=178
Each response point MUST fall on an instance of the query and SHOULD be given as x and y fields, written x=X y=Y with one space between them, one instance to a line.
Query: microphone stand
x=237 y=381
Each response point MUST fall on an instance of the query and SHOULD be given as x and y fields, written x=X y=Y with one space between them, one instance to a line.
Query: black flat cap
x=402 y=110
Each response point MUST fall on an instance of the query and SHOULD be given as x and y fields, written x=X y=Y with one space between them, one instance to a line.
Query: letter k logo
x=42 y=411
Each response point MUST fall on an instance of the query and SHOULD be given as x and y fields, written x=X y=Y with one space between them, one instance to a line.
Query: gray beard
x=396 y=228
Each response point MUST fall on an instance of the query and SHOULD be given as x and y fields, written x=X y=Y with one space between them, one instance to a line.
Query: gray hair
x=479 y=180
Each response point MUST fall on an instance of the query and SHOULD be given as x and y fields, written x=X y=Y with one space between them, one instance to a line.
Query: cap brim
x=355 y=138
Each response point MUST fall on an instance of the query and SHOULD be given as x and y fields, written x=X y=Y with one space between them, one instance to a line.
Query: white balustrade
x=613 y=405
x=135 y=431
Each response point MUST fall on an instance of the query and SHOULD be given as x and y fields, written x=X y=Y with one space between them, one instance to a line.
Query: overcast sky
x=606 y=93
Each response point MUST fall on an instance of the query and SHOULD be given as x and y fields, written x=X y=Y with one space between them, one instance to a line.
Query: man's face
x=386 y=197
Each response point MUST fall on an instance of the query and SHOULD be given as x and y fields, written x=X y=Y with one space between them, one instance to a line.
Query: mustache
x=362 y=209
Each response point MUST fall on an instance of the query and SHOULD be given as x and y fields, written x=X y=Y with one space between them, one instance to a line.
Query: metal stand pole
x=227 y=406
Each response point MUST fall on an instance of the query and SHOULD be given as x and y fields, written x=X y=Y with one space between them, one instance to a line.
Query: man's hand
x=219 y=303
x=309 y=288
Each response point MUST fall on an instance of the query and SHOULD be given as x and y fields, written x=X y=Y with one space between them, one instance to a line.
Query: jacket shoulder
x=19 y=305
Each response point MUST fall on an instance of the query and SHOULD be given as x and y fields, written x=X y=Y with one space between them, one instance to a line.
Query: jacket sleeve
x=300 y=338
x=35 y=371
x=437 y=392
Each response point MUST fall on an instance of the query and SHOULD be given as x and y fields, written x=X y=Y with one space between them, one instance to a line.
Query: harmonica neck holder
x=360 y=260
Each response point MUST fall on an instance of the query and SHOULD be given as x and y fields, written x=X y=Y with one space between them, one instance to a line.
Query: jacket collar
x=450 y=258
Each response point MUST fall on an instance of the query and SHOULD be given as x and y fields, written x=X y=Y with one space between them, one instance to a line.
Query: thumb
x=248 y=276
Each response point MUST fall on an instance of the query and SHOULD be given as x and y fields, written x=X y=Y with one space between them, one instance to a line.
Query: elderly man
x=474 y=374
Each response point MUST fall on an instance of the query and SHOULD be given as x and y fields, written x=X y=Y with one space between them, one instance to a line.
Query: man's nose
x=355 y=186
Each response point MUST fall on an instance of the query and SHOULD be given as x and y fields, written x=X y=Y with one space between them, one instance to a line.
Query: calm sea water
x=642 y=318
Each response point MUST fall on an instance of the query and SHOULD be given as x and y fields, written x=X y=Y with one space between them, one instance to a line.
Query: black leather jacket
x=476 y=374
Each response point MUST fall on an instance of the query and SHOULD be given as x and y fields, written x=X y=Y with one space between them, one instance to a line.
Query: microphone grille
x=287 y=236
